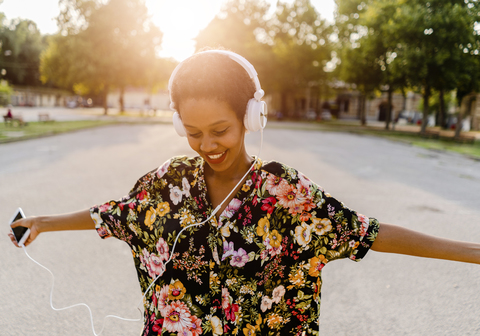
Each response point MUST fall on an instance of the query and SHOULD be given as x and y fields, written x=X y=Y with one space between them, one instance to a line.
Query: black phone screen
x=18 y=231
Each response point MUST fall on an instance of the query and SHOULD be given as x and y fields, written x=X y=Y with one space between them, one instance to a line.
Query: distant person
x=254 y=267
x=9 y=114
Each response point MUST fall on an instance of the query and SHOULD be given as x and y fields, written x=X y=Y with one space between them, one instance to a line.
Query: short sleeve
x=349 y=233
x=124 y=217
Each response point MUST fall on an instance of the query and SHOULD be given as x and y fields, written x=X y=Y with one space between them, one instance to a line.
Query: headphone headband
x=256 y=114
x=259 y=93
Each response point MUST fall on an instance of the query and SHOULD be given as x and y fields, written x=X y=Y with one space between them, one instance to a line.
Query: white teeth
x=214 y=157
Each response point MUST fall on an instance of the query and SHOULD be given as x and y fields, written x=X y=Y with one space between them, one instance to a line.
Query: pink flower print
x=225 y=298
x=305 y=181
x=162 y=249
x=186 y=187
x=365 y=224
x=163 y=169
x=177 y=318
x=104 y=207
x=227 y=249
x=232 y=207
x=266 y=303
x=278 y=293
x=175 y=195
x=156 y=266
x=163 y=299
x=196 y=328
x=274 y=183
x=239 y=258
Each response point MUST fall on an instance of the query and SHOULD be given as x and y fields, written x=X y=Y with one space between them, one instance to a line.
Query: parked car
x=325 y=115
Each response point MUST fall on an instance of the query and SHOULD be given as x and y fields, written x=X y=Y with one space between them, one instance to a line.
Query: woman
x=254 y=266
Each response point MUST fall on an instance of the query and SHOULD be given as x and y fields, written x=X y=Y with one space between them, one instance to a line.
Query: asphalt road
x=433 y=192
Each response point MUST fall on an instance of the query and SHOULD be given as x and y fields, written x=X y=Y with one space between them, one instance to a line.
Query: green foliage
x=289 y=50
x=103 y=46
x=20 y=46
x=5 y=92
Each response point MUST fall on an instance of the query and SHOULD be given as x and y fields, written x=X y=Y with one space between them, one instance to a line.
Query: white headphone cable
x=78 y=304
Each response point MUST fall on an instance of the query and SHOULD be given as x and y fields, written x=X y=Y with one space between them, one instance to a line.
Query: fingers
x=12 y=238
x=21 y=222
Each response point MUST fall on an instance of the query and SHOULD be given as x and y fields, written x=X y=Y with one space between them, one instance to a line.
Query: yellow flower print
x=274 y=320
x=245 y=188
x=187 y=218
x=321 y=226
x=249 y=330
x=263 y=227
x=316 y=265
x=296 y=279
x=163 y=209
x=217 y=328
x=150 y=218
x=275 y=239
x=176 y=291
x=303 y=234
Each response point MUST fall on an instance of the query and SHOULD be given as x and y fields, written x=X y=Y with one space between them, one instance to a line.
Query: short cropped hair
x=213 y=76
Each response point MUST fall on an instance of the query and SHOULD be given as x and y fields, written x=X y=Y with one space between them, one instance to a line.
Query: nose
x=208 y=144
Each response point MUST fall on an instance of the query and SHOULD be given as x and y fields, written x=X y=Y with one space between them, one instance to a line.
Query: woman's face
x=216 y=134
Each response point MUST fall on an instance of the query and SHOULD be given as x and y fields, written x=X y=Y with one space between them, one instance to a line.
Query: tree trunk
x=363 y=114
x=389 y=108
x=121 y=99
x=105 y=103
x=464 y=111
x=426 y=108
x=283 y=103
x=442 y=114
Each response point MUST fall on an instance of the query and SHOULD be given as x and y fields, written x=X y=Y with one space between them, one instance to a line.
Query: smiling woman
x=254 y=266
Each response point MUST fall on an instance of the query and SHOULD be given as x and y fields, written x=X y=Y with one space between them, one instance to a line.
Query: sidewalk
x=31 y=114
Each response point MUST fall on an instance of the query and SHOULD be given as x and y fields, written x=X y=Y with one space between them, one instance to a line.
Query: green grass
x=38 y=129
x=415 y=139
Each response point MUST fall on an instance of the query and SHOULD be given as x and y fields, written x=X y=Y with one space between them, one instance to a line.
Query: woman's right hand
x=33 y=223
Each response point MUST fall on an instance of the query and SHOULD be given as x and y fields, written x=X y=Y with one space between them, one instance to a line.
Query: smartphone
x=20 y=233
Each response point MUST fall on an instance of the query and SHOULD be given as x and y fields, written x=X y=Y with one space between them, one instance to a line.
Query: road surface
x=433 y=192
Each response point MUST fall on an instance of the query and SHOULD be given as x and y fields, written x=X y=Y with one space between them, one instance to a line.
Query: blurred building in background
x=36 y=96
x=139 y=99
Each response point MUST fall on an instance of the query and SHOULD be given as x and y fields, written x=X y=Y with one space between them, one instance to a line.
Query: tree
x=301 y=48
x=110 y=45
x=20 y=44
x=367 y=50
x=240 y=27
x=288 y=50
x=433 y=39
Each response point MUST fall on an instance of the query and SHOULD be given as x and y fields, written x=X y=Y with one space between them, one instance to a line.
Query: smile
x=216 y=156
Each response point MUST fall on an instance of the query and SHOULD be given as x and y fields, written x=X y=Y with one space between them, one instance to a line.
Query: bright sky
x=179 y=20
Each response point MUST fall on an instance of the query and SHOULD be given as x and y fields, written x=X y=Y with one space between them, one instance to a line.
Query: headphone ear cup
x=178 y=124
x=256 y=115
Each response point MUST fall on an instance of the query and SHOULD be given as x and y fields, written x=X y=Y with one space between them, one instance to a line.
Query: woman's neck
x=234 y=173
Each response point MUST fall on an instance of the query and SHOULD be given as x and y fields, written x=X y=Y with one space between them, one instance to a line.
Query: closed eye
x=220 y=132
x=194 y=135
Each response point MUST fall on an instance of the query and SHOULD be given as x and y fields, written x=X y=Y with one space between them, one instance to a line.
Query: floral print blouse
x=255 y=271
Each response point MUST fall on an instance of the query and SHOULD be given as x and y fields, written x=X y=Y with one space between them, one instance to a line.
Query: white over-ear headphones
x=256 y=114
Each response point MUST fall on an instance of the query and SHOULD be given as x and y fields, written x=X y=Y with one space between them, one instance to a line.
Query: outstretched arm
x=396 y=239
x=80 y=220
